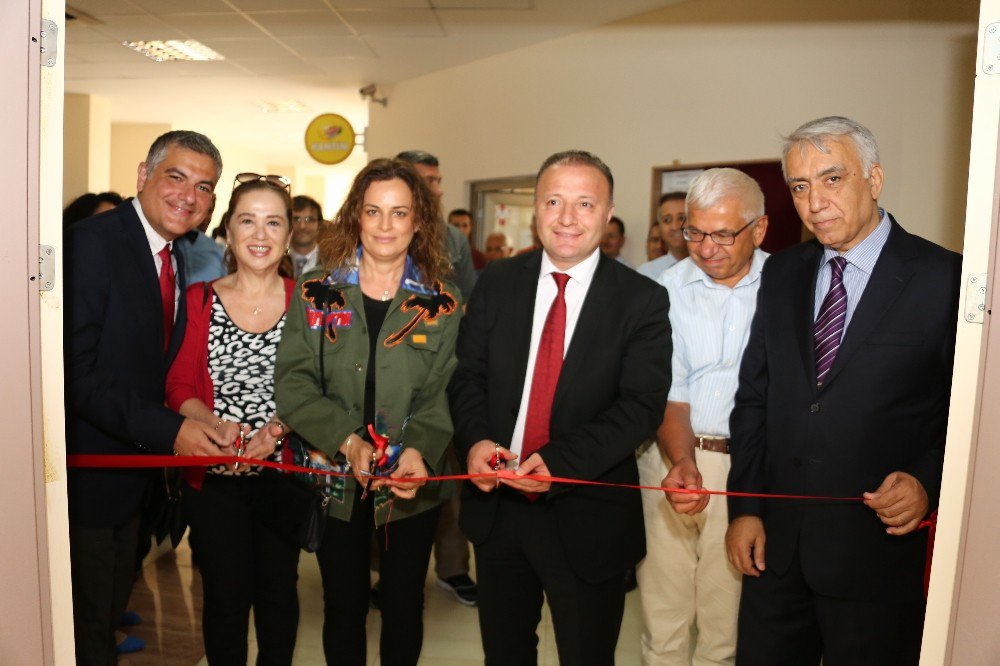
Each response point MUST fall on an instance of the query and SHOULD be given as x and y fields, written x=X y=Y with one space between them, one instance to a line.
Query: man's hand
x=533 y=465
x=411 y=465
x=199 y=439
x=745 y=545
x=685 y=474
x=480 y=461
x=900 y=502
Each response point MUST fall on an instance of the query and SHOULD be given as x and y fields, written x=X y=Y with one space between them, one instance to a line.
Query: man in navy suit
x=563 y=370
x=124 y=322
x=844 y=391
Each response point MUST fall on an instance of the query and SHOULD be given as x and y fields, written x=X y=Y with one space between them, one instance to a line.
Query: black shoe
x=462 y=587
x=630 y=582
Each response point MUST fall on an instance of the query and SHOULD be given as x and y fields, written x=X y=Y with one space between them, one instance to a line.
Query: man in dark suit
x=124 y=323
x=844 y=392
x=563 y=370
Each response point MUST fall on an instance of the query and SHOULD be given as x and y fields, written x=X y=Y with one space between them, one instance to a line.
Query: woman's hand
x=411 y=466
x=359 y=454
x=228 y=432
x=265 y=440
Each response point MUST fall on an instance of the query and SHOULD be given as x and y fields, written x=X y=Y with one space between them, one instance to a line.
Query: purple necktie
x=829 y=327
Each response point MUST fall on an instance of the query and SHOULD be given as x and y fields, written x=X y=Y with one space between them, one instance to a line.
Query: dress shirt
x=311 y=257
x=711 y=326
x=654 y=269
x=156 y=244
x=860 y=262
x=580 y=277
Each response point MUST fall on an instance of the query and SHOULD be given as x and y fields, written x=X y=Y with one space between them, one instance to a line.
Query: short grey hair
x=188 y=140
x=711 y=186
x=817 y=132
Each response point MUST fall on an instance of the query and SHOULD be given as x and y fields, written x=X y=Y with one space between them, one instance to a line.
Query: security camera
x=368 y=90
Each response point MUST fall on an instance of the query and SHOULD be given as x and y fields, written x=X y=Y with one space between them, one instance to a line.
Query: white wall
x=694 y=83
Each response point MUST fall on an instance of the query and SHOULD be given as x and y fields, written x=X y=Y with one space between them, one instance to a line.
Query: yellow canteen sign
x=329 y=138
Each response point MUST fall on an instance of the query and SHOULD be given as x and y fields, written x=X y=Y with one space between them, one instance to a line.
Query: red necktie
x=548 y=364
x=167 y=293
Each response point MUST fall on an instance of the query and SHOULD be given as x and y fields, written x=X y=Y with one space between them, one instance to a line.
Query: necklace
x=385 y=295
x=257 y=310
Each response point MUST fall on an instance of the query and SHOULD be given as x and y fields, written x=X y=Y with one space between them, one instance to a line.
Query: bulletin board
x=784 y=227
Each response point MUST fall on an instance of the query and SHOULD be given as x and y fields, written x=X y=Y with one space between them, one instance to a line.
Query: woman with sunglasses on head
x=224 y=376
x=361 y=375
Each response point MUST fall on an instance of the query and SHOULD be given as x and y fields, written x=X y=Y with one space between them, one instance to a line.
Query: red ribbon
x=381 y=443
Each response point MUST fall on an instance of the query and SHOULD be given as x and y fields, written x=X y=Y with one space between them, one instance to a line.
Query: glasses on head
x=271 y=178
x=693 y=235
x=308 y=219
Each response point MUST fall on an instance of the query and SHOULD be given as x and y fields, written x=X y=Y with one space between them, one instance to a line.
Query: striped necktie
x=829 y=327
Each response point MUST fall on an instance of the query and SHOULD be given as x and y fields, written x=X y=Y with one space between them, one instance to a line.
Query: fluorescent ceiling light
x=174 y=49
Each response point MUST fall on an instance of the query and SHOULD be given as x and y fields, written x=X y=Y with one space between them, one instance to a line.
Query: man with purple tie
x=843 y=392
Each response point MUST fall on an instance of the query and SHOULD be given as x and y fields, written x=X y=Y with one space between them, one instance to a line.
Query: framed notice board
x=784 y=227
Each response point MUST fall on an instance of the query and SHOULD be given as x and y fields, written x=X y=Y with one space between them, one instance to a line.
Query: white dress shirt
x=156 y=245
x=580 y=277
x=654 y=269
x=711 y=326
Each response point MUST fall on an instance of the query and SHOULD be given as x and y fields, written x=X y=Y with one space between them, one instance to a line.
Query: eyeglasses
x=308 y=219
x=271 y=178
x=693 y=235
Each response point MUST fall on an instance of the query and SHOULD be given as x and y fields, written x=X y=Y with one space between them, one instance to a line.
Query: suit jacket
x=882 y=408
x=610 y=397
x=115 y=365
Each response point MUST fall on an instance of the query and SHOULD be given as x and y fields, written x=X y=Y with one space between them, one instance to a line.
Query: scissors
x=371 y=476
x=241 y=447
x=496 y=460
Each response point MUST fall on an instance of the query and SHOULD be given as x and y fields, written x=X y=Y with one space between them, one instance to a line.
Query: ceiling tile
x=205 y=27
x=381 y=4
x=331 y=47
x=278 y=67
x=283 y=5
x=397 y=23
x=160 y=7
x=235 y=49
x=104 y=7
x=301 y=24
x=483 y=4
x=105 y=53
x=78 y=33
x=129 y=28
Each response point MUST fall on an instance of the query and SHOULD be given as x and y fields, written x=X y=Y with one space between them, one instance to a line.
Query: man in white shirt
x=671 y=217
x=307 y=217
x=686 y=580
x=563 y=370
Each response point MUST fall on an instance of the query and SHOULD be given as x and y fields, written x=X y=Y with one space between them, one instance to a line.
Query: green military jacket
x=414 y=363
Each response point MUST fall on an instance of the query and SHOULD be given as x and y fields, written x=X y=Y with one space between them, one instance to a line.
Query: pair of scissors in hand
x=241 y=447
x=371 y=477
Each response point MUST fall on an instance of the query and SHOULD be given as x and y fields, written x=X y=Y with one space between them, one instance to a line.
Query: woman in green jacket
x=367 y=352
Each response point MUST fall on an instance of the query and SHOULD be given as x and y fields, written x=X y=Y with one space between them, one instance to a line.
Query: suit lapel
x=520 y=316
x=892 y=272
x=141 y=257
x=804 y=305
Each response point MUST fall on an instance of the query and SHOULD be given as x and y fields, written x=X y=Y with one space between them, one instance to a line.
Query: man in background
x=671 y=217
x=498 y=246
x=614 y=240
x=307 y=217
x=461 y=219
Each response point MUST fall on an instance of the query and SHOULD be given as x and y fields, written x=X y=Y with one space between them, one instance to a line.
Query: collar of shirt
x=687 y=272
x=308 y=256
x=864 y=255
x=156 y=241
x=582 y=273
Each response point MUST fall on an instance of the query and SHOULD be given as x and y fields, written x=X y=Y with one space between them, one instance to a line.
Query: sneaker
x=130 y=644
x=462 y=587
x=130 y=619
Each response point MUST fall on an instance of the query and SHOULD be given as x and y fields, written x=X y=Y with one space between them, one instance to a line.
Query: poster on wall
x=330 y=138
x=678 y=181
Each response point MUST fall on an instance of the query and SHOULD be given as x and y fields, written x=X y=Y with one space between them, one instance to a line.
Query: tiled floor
x=168 y=597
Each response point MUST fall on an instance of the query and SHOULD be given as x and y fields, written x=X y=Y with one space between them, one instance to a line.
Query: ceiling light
x=174 y=49
x=280 y=106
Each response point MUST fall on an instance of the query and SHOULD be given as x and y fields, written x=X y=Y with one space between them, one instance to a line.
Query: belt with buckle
x=714 y=444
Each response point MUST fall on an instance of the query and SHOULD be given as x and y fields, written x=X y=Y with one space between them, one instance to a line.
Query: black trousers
x=243 y=564
x=783 y=622
x=344 y=559
x=524 y=558
x=102 y=561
